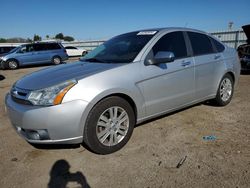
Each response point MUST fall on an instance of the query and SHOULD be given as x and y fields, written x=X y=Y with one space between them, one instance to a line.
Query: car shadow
x=207 y=103
x=39 y=65
x=55 y=146
x=245 y=72
x=167 y=114
x=1 y=77
x=60 y=176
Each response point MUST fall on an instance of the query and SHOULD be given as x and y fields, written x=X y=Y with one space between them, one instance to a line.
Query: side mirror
x=161 y=57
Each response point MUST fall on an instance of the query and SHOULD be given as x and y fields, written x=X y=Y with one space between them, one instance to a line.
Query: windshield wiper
x=94 y=60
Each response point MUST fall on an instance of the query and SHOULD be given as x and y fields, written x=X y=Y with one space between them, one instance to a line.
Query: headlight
x=51 y=95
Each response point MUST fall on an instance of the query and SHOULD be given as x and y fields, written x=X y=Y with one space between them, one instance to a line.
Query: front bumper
x=62 y=123
x=2 y=64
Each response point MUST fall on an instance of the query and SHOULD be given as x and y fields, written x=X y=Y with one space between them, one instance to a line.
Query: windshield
x=121 y=49
x=14 y=49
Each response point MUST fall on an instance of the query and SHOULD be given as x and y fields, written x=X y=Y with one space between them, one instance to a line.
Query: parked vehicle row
x=34 y=53
x=127 y=80
x=37 y=53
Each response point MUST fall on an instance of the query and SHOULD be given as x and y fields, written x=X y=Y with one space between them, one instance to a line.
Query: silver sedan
x=129 y=79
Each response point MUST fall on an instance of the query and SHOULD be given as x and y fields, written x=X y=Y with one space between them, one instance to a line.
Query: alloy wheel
x=112 y=126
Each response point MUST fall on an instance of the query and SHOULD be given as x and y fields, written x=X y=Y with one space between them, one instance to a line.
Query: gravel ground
x=151 y=157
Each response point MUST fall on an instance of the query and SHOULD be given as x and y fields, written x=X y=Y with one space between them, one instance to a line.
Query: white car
x=74 y=51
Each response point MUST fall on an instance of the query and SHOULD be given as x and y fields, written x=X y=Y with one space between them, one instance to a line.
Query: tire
x=225 y=91
x=56 y=60
x=11 y=64
x=84 y=53
x=104 y=134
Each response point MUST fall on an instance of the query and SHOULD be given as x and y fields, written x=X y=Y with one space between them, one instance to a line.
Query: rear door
x=168 y=86
x=206 y=58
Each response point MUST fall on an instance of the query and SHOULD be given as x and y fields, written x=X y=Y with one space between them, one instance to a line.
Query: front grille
x=21 y=101
x=20 y=95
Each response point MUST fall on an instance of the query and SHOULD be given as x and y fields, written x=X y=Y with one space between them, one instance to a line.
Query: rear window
x=219 y=47
x=200 y=43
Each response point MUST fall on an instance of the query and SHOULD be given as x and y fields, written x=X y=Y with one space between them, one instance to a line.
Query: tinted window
x=28 y=48
x=70 y=47
x=173 y=42
x=53 y=46
x=200 y=43
x=39 y=47
x=219 y=47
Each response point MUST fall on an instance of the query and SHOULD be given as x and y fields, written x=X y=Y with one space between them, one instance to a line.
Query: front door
x=167 y=86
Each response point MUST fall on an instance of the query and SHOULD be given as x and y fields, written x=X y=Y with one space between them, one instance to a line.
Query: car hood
x=246 y=29
x=58 y=74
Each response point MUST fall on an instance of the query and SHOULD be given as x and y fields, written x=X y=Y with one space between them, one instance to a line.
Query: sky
x=102 y=19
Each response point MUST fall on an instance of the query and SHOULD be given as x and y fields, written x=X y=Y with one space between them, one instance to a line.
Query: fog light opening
x=37 y=134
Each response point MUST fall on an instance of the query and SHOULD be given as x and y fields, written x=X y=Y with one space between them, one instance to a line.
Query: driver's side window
x=23 y=49
x=171 y=42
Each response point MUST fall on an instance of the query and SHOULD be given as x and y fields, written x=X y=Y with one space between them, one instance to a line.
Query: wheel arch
x=231 y=74
x=127 y=98
x=95 y=101
x=15 y=59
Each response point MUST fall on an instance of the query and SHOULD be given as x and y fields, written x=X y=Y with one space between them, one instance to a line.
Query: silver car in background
x=129 y=79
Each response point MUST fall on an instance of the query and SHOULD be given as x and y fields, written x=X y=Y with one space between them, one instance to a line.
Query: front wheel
x=12 y=64
x=109 y=125
x=225 y=91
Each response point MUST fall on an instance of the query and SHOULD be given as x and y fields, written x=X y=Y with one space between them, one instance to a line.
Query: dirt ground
x=151 y=156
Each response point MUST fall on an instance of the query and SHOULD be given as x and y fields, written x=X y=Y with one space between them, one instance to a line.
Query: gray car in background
x=34 y=53
x=129 y=79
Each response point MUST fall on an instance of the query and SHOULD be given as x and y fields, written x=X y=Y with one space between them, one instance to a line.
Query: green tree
x=37 y=38
x=2 y=40
x=59 y=36
x=29 y=40
x=47 y=36
x=68 y=38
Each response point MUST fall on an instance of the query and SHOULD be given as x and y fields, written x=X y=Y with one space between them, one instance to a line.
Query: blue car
x=34 y=53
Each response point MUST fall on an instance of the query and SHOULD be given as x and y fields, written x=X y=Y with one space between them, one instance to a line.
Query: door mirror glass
x=161 y=57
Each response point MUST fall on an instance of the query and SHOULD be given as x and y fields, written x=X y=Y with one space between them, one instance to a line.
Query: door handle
x=186 y=63
x=217 y=56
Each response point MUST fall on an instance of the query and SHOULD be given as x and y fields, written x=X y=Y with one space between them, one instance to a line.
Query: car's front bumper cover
x=2 y=64
x=62 y=123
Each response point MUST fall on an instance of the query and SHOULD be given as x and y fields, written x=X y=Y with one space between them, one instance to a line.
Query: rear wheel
x=84 y=53
x=109 y=125
x=56 y=60
x=12 y=64
x=225 y=91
